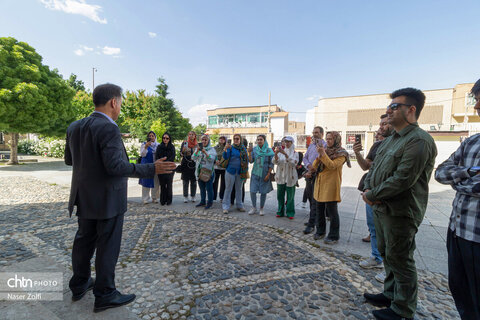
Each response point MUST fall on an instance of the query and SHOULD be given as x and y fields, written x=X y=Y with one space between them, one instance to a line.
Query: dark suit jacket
x=100 y=168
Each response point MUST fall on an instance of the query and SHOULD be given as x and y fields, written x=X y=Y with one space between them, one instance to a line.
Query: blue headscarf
x=261 y=153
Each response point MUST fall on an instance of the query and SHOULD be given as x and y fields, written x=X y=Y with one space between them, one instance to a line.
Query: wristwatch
x=473 y=171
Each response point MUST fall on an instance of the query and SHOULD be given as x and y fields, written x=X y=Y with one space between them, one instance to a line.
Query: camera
x=229 y=141
x=358 y=138
x=250 y=145
x=148 y=139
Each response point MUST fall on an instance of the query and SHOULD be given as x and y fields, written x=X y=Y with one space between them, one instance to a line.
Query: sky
x=233 y=53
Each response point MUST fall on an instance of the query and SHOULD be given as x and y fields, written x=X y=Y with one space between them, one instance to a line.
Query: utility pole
x=269 y=102
x=93 y=78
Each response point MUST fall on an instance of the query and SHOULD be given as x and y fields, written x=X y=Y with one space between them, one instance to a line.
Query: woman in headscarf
x=219 y=170
x=261 y=156
x=147 y=152
x=286 y=177
x=236 y=172
x=205 y=157
x=166 y=150
x=188 y=166
x=326 y=191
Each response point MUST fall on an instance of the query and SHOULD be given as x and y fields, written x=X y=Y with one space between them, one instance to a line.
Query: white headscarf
x=286 y=167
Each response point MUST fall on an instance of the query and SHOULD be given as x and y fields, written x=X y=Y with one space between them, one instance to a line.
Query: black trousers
x=219 y=177
x=166 y=189
x=464 y=275
x=310 y=183
x=232 y=197
x=331 y=210
x=193 y=187
x=105 y=236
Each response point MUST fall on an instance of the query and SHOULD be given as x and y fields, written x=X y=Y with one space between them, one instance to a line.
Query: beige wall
x=239 y=110
x=356 y=113
x=296 y=127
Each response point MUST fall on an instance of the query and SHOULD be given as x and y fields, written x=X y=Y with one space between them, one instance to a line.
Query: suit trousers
x=396 y=244
x=166 y=189
x=105 y=236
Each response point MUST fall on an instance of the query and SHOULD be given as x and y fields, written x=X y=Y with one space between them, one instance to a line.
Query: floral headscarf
x=336 y=150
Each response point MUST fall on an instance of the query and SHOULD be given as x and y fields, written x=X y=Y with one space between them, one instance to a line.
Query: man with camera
x=308 y=159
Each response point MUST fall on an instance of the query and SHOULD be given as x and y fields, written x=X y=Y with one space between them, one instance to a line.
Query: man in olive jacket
x=397 y=188
x=99 y=191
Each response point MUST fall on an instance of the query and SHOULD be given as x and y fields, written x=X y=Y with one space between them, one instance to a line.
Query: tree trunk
x=13 y=149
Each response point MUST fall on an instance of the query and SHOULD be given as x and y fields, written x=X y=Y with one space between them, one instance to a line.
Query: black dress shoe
x=79 y=295
x=388 y=314
x=308 y=230
x=378 y=300
x=115 y=300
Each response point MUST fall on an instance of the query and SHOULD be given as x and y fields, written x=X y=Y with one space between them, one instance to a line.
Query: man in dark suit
x=99 y=190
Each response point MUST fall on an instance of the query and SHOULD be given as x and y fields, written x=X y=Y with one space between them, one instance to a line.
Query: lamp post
x=93 y=78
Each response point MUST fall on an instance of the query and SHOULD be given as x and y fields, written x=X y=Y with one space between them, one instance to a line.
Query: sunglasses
x=395 y=106
x=166 y=138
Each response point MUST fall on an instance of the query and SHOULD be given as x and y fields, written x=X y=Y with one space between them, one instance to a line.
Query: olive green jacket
x=400 y=173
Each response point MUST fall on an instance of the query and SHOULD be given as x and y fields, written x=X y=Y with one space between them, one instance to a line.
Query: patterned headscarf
x=243 y=157
x=336 y=150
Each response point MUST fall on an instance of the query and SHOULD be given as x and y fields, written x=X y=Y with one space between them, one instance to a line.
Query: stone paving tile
x=196 y=264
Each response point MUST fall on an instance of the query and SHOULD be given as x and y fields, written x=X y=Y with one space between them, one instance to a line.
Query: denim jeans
x=206 y=188
x=373 y=235
x=232 y=181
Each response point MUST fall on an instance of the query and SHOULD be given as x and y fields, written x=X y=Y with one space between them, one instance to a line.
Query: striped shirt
x=465 y=217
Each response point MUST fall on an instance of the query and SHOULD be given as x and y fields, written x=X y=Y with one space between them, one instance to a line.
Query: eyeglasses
x=166 y=138
x=395 y=106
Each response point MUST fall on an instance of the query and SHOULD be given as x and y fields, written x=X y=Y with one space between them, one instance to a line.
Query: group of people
x=222 y=171
x=395 y=191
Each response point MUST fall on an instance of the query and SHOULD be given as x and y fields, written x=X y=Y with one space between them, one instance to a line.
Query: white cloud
x=314 y=97
x=80 y=7
x=110 y=51
x=86 y=48
x=83 y=49
x=198 y=113
x=152 y=34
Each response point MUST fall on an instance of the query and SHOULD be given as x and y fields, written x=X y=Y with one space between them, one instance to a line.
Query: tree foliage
x=77 y=85
x=33 y=98
x=200 y=129
x=141 y=111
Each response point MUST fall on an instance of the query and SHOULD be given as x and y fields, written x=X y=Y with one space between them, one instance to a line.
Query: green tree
x=159 y=128
x=82 y=104
x=200 y=129
x=77 y=85
x=33 y=98
x=140 y=110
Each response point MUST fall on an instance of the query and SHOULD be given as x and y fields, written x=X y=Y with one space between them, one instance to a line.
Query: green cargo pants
x=396 y=244
x=281 y=188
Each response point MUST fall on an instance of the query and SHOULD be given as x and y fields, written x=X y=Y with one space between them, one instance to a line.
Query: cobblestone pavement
x=196 y=264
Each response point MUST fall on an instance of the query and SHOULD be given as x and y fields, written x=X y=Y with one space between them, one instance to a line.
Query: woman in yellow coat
x=326 y=192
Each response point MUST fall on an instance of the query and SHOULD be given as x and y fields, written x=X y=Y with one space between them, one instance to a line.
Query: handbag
x=272 y=175
x=224 y=163
x=205 y=174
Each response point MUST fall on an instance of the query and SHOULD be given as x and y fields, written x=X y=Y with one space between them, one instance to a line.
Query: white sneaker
x=380 y=277
x=154 y=201
x=185 y=200
x=261 y=212
x=225 y=211
x=370 y=263
x=304 y=205
x=252 y=211
x=193 y=199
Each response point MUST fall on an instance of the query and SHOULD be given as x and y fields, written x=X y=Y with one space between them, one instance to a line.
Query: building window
x=212 y=120
x=2 y=138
